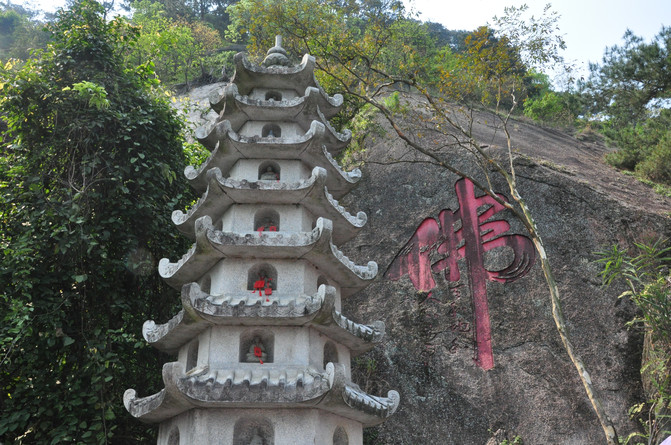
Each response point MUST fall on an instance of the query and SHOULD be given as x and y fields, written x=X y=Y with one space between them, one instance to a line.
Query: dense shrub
x=89 y=174
x=547 y=108
x=657 y=165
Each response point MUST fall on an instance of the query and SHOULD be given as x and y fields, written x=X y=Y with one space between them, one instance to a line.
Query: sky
x=588 y=26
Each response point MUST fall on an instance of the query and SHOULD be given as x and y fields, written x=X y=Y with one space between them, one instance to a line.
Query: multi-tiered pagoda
x=263 y=350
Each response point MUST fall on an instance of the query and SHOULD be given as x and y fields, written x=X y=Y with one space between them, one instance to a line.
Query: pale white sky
x=588 y=26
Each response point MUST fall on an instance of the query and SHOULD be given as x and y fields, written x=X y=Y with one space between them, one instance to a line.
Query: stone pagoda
x=263 y=350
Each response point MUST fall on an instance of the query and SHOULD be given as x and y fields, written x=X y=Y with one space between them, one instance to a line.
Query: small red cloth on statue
x=258 y=353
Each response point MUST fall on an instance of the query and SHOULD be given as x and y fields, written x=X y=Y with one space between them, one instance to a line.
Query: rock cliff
x=581 y=206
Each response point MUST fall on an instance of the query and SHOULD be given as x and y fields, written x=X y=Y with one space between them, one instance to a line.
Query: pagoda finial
x=277 y=55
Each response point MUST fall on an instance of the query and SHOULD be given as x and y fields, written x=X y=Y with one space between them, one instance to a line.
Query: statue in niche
x=256 y=439
x=270 y=175
x=257 y=352
x=263 y=285
x=267 y=225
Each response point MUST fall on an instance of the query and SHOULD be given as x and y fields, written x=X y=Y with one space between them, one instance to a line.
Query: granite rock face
x=533 y=390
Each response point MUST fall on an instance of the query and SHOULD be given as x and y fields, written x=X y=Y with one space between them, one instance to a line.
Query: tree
x=212 y=12
x=630 y=90
x=348 y=55
x=447 y=37
x=89 y=174
x=633 y=80
x=19 y=32
x=179 y=49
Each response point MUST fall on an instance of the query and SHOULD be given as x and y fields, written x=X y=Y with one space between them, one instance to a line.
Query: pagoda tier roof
x=228 y=147
x=222 y=193
x=243 y=110
x=315 y=246
x=238 y=108
x=265 y=387
x=249 y=75
x=202 y=310
x=214 y=133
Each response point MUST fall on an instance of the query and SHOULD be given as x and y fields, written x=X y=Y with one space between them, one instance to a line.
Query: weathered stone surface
x=581 y=205
x=315 y=246
x=222 y=193
x=533 y=390
x=202 y=310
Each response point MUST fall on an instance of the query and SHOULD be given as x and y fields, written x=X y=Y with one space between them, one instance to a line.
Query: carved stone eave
x=249 y=75
x=315 y=246
x=228 y=147
x=214 y=133
x=223 y=192
x=196 y=261
x=348 y=400
x=315 y=104
x=202 y=310
x=169 y=337
x=359 y=338
x=260 y=387
x=376 y=408
x=167 y=403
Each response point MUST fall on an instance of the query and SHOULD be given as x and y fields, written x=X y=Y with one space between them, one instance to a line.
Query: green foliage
x=19 y=32
x=88 y=178
x=630 y=91
x=653 y=415
x=536 y=38
x=195 y=153
x=548 y=108
x=210 y=12
x=94 y=94
x=363 y=126
x=179 y=49
x=637 y=142
x=632 y=82
x=517 y=440
x=453 y=39
x=657 y=165
x=649 y=281
x=491 y=69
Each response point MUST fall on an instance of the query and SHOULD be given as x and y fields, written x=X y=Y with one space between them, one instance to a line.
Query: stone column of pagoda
x=263 y=350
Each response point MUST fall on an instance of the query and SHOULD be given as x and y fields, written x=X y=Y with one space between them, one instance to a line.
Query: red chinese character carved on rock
x=467 y=241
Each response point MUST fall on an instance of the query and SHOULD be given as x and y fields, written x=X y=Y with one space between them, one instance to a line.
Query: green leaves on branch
x=649 y=280
x=180 y=50
x=647 y=276
x=94 y=94
x=89 y=170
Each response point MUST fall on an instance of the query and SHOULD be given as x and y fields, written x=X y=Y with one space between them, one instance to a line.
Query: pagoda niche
x=263 y=349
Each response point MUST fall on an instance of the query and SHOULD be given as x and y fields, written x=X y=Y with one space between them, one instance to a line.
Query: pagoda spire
x=277 y=56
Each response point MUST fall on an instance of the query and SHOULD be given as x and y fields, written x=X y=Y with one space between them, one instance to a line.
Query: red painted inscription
x=465 y=234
